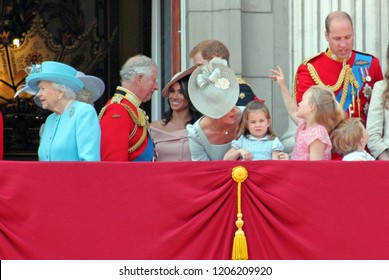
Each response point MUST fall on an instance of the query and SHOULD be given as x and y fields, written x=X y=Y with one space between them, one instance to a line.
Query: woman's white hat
x=213 y=88
x=92 y=84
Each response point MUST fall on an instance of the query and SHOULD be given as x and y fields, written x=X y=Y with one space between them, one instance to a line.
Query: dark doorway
x=125 y=26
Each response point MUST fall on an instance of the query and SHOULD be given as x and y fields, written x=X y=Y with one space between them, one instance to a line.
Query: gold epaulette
x=141 y=119
x=305 y=62
x=117 y=98
x=310 y=58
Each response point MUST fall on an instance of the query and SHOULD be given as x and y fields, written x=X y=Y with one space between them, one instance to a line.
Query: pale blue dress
x=200 y=148
x=72 y=136
x=261 y=149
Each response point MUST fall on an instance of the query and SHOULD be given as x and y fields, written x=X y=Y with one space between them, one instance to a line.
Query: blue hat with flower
x=54 y=72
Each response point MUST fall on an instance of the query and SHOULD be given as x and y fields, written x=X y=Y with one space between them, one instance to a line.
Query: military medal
x=368 y=78
x=364 y=73
x=366 y=108
x=367 y=91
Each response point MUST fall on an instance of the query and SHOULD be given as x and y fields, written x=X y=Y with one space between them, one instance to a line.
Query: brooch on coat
x=71 y=113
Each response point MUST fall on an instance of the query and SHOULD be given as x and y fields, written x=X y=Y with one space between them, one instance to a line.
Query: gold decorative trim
x=141 y=120
x=345 y=78
x=239 y=247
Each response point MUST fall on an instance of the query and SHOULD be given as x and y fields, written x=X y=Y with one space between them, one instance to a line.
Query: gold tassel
x=239 y=248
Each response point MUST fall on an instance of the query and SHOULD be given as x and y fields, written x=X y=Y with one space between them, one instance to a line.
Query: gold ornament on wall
x=36 y=46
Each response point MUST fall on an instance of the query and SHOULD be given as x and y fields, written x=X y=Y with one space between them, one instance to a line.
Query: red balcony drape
x=110 y=210
x=1 y=137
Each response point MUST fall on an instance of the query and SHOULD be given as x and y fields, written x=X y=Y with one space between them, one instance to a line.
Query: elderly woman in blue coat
x=72 y=131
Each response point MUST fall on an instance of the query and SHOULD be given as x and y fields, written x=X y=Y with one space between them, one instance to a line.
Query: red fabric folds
x=1 y=137
x=111 y=210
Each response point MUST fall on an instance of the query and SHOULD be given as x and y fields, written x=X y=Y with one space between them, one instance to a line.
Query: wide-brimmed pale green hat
x=213 y=88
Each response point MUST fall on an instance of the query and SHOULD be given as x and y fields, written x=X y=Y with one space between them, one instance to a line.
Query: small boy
x=349 y=139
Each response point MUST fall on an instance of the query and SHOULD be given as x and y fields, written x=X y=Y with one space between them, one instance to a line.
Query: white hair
x=68 y=92
x=139 y=64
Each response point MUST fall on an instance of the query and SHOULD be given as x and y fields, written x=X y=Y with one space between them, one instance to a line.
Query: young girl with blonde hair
x=255 y=139
x=316 y=116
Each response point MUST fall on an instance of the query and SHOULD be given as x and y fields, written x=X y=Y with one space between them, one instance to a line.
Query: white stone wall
x=263 y=33
x=371 y=25
x=247 y=28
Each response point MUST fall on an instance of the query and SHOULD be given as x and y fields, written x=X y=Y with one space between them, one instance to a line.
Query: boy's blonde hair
x=254 y=106
x=346 y=136
x=329 y=113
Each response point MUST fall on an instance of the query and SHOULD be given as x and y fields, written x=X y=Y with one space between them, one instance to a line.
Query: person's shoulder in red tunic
x=124 y=125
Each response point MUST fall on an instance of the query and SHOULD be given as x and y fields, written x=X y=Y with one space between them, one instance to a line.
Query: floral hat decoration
x=55 y=72
x=213 y=88
x=91 y=83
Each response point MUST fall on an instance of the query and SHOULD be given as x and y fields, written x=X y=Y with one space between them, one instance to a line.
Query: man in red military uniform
x=350 y=74
x=124 y=126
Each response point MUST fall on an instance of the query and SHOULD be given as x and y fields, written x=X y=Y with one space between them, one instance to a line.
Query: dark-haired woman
x=169 y=134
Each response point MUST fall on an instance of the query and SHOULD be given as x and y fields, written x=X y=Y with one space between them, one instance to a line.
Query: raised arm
x=289 y=102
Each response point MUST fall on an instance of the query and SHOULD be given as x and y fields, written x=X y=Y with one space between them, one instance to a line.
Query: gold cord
x=346 y=77
x=239 y=247
x=140 y=120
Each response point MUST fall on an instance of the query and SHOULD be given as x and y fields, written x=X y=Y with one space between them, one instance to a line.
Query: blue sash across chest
x=360 y=61
x=148 y=153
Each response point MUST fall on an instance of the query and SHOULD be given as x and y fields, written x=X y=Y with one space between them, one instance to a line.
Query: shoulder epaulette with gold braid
x=294 y=93
x=345 y=78
x=140 y=120
x=310 y=58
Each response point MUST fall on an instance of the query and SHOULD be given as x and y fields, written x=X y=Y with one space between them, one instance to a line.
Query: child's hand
x=245 y=155
x=278 y=76
x=283 y=156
